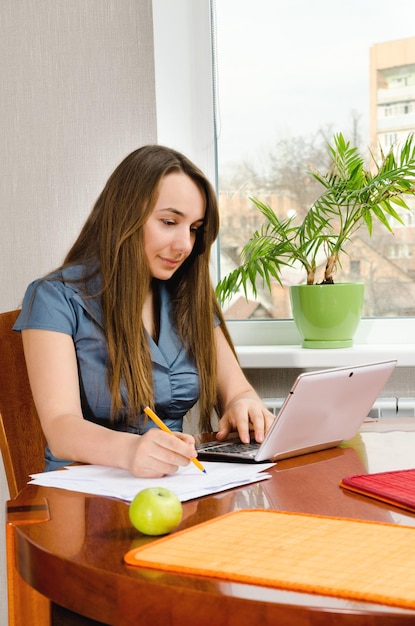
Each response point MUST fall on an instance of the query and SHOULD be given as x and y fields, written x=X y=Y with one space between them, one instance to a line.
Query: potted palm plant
x=353 y=196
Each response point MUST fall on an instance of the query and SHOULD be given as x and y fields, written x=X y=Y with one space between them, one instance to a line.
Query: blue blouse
x=60 y=306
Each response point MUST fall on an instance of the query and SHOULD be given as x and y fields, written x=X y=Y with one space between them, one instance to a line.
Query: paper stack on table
x=188 y=482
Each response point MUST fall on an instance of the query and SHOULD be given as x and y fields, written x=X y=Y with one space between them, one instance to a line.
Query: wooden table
x=73 y=554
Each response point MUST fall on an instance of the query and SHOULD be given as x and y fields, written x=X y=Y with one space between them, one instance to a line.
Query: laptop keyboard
x=229 y=448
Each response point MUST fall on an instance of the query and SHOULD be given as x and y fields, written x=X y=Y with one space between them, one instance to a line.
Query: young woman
x=130 y=319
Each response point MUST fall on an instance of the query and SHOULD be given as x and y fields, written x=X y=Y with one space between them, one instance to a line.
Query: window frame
x=185 y=105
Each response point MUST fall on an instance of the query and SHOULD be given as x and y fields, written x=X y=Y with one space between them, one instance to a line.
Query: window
x=289 y=76
x=185 y=120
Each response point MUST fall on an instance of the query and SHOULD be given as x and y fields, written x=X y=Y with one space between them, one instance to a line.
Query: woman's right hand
x=53 y=373
x=157 y=453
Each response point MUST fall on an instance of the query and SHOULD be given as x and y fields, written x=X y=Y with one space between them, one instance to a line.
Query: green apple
x=155 y=511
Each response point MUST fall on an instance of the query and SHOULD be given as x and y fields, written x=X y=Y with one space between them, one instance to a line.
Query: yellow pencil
x=166 y=429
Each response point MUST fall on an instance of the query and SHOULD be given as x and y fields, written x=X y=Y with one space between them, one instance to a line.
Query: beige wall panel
x=76 y=95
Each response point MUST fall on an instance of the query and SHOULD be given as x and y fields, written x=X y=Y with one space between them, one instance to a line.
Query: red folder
x=395 y=487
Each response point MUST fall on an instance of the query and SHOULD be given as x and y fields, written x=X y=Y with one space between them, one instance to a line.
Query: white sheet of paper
x=188 y=482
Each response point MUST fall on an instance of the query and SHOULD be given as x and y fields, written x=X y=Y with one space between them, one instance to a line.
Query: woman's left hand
x=245 y=415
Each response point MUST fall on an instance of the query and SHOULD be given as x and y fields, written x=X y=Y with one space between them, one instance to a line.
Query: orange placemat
x=325 y=555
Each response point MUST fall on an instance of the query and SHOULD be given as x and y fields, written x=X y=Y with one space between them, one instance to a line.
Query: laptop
x=323 y=409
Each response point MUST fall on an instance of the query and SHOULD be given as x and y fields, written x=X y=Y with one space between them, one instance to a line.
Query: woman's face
x=170 y=231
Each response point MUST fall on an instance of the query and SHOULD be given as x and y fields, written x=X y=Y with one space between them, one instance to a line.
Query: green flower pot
x=327 y=316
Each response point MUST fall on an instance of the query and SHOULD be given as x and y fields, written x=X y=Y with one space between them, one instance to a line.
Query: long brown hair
x=112 y=241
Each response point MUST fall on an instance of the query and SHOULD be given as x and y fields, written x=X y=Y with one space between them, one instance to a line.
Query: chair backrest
x=22 y=442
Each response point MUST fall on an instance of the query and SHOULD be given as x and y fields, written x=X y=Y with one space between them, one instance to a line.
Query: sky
x=288 y=67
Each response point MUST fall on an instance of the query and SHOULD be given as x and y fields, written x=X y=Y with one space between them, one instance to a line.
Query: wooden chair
x=22 y=445
x=22 y=442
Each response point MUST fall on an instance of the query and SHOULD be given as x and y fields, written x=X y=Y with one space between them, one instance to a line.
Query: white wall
x=77 y=94
x=184 y=80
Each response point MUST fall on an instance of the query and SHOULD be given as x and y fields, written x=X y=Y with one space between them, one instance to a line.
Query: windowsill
x=298 y=357
x=277 y=344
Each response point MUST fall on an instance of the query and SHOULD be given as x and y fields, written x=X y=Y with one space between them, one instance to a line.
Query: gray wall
x=77 y=94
